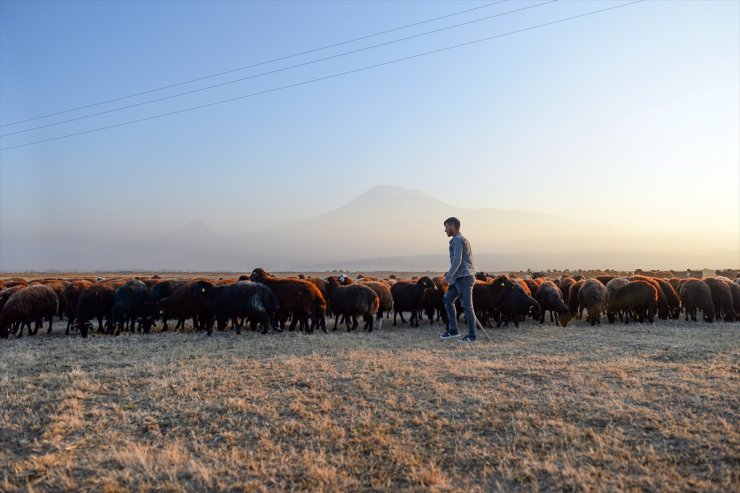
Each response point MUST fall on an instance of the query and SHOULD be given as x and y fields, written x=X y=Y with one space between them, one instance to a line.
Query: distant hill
x=385 y=228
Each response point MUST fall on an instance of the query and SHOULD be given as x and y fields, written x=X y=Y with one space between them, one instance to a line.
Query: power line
x=418 y=55
x=249 y=77
x=273 y=60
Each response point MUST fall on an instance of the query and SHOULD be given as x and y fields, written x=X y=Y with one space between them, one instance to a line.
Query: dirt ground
x=609 y=408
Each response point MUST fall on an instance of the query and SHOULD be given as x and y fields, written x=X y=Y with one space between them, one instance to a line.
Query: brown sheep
x=523 y=284
x=574 y=301
x=675 y=283
x=300 y=298
x=532 y=285
x=671 y=296
x=592 y=297
x=6 y=293
x=385 y=297
x=662 y=308
x=68 y=301
x=735 y=291
x=434 y=300
x=29 y=304
x=14 y=282
x=696 y=294
x=612 y=309
x=604 y=279
x=636 y=298
x=564 y=286
x=488 y=296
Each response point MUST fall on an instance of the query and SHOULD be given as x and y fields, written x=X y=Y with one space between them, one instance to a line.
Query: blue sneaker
x=467 y=339
x=450 y=335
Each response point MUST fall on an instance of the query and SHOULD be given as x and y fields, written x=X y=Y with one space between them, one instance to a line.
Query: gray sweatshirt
x=461 y=259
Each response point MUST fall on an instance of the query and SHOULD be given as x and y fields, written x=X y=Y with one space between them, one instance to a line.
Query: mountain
x=392 y=221
x=385 y=228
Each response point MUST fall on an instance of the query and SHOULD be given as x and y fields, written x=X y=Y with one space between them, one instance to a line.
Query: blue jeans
x=461 y=287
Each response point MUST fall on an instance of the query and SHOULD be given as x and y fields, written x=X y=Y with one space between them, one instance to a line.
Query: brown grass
x=543 y=408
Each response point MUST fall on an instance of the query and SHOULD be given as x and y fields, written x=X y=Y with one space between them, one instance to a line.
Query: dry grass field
x=652 y=407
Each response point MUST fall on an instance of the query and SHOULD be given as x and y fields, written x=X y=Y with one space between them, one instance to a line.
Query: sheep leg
x=265 y=322
x=336 y=320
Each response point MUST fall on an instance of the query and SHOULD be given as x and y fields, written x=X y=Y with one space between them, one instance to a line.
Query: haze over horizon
x=385 y=228
x=622 y=126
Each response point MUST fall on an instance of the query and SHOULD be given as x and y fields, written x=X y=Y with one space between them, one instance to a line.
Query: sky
x=627 y=118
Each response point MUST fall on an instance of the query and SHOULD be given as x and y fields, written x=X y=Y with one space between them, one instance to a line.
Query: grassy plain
x=639 y=407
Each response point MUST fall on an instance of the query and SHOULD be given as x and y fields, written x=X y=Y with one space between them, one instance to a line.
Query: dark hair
x=452 y=220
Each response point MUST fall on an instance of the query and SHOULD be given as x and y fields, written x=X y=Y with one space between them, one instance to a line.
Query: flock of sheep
x=263 y=301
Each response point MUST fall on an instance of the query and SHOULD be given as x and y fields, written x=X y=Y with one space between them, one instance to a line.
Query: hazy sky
x=626 y=118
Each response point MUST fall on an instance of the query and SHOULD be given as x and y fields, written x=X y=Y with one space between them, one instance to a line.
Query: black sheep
x=174 y=300
x=696 y=294
x=722 y=298
x=408 y=296
x=95 y=301
x=351 y=301
x=128 y=302
x=238 y=301
x=516 y=303
x=487 y=297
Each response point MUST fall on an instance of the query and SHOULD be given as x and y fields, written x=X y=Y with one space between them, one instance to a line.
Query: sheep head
x=425 y=282
x=200 y=288
x=258 y=275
